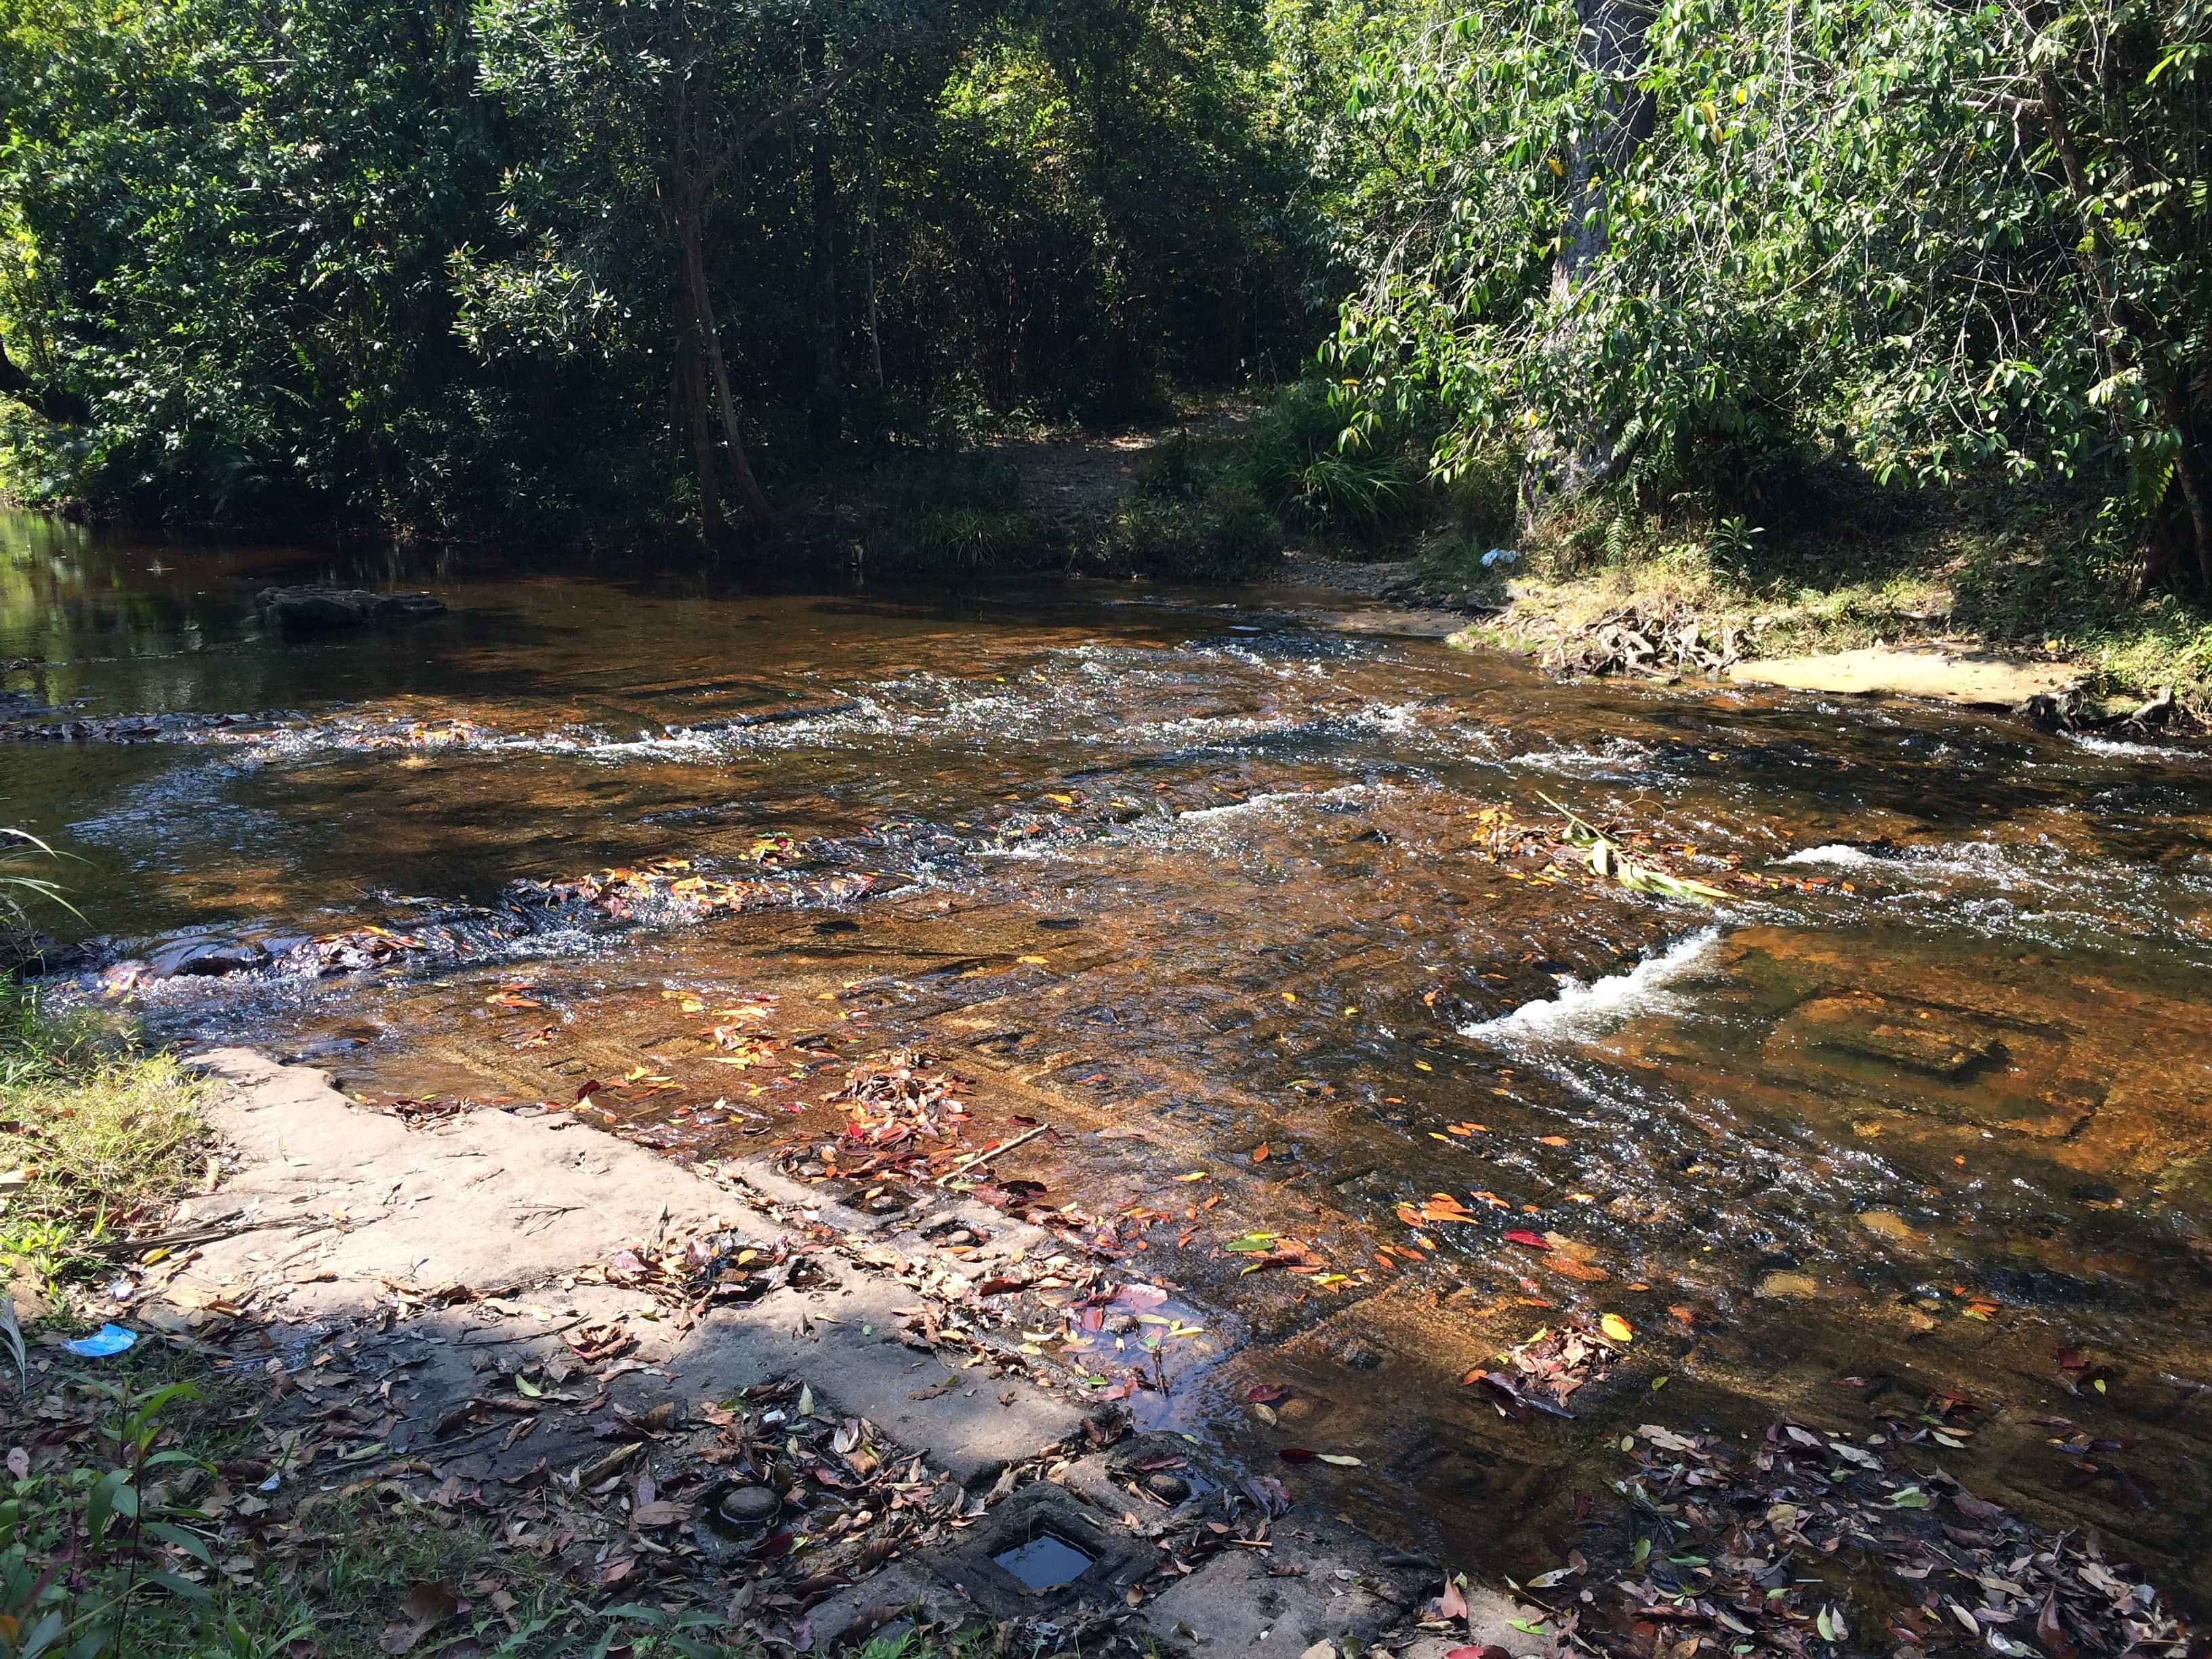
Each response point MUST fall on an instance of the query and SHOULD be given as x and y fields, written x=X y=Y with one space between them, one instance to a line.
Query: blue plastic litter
x=1501 y=555
x=103 y=1344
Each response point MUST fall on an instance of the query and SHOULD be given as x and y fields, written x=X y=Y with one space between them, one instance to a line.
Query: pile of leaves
x=904 y=1117
x=359 y=949
x=1545 y=1372
x=671 y=889
x=743 y=1513
x=692 y=1275
x=1748 y=1551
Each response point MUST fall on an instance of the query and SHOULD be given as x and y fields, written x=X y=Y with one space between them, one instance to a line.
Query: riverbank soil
x=1435 y=1079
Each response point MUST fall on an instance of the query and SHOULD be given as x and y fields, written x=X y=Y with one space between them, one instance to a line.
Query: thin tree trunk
x=875 y=316
x=823 y=415
x=2200 y=510
x=710 y=342
x=691 y=391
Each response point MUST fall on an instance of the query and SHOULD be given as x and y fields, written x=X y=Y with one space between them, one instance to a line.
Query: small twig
x=979 y=1160
x=523 y=1336
x=201 y=1235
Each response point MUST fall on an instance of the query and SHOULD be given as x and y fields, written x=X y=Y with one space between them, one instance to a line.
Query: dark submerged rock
x=316 y=608
x=208 y=958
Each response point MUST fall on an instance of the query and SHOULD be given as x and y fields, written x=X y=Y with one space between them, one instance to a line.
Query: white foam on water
x=1272 y=798
x=1833 y=853
x=1581 y=1010
x=2120 y=749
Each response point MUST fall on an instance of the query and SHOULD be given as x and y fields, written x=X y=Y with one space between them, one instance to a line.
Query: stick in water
x=984 y=1157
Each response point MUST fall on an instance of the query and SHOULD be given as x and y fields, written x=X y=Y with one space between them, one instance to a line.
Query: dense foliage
x=586 y=261
x=608 y=261
x=1685 y=249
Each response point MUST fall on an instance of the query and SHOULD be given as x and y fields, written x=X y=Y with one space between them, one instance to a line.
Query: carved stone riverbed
x=1269 y=924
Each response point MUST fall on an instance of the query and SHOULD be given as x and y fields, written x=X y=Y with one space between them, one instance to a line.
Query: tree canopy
x=574 y=262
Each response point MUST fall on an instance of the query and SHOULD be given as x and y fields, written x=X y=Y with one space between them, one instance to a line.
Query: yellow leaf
x=1616 y=1328
x=1035 y=961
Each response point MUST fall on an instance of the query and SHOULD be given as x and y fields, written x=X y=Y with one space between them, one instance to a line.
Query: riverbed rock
x=1788 y=1286
x=320 y=608
x=205 y=958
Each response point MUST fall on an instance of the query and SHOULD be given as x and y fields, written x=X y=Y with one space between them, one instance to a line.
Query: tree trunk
x=875 y=313
x=824 y=417
x=691 y=391
x=2193 y=494
x=2135 y=338
x=710 y=345
x=1610 y=47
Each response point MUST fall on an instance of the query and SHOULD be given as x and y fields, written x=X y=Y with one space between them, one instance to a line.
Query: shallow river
x=1268 y=919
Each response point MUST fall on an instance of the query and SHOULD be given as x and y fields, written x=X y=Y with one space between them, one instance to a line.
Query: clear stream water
x=1187 y=875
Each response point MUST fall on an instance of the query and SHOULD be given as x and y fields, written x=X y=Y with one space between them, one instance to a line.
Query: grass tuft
x=94 y=1136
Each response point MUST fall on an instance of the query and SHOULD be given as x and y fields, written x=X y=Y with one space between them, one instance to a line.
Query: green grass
x=94 y=1137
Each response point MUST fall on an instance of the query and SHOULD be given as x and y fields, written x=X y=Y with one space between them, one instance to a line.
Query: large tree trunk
x=824 y=417
x=1610 y=48
x=710 y=345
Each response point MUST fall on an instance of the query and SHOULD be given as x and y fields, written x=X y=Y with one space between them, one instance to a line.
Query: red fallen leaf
x=1138 y=1295
x=1026 y=1123
x=590 y=1089
x=1001 y=1286
x=1297 y=1454
x=1266 y=1393
x=1527 y=1240
x=1451 y=1604
x=1260 y=1153
x=2070 y=1359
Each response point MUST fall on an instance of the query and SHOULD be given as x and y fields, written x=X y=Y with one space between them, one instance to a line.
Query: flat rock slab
x=342 y=1195
x=1946 y=673
x=1347 y=1591
x=343 y=1201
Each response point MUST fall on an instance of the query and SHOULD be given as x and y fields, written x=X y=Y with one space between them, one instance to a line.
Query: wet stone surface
x=1270 y=934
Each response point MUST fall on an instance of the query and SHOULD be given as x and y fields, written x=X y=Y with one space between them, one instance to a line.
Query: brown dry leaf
x=1260 y=1152
x=426 y=1606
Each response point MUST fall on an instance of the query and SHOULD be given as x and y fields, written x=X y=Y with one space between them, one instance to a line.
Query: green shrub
x=1301 y=466
x=1226 y=535
x=1172 y=471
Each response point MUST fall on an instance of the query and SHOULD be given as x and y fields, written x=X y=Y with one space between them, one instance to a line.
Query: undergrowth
x=1841 y=567
x=153 y=1510
x=94 y=1136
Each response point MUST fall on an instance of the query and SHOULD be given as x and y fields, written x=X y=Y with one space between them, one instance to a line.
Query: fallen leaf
x=1617 y=1329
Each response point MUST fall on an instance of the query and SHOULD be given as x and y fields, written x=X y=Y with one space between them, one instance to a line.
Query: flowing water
x=1234 y=899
